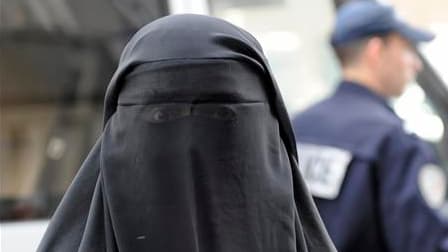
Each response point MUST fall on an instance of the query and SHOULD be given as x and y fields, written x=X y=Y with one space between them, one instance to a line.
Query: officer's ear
x=374 y=50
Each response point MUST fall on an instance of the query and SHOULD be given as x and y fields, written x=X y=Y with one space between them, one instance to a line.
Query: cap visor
x=415 y=35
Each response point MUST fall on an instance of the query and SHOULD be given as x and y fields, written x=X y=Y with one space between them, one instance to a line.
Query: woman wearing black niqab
x=197 y=153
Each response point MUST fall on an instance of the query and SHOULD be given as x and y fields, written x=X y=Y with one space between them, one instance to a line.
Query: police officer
x=377 y=187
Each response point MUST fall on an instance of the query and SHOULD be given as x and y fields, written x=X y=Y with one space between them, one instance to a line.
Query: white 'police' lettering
x=324 y=168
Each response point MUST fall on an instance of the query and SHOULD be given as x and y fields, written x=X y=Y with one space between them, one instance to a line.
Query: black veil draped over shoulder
x=196 y=154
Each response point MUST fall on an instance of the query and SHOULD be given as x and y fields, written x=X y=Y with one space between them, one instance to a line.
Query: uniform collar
x=355 y=88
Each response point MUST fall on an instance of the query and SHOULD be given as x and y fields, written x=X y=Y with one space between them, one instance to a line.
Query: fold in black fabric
x=197 y=153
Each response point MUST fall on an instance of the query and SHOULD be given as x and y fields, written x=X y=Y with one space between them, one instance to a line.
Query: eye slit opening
x=165 y=113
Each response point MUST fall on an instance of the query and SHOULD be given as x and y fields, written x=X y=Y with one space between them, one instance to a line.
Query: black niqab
x=197 y=153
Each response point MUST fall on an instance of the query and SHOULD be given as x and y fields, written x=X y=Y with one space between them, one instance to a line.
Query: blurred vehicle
x=56 y=60
x=58 y=56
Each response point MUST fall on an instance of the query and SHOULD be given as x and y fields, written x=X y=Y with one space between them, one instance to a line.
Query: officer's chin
x=399 y=90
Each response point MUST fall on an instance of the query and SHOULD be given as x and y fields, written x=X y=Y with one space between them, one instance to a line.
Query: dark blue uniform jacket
x=378 y=205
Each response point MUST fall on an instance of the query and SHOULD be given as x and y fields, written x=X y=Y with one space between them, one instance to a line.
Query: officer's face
x=399 y=64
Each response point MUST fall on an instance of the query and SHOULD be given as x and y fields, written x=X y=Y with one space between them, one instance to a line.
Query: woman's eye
x=224 y=113
x=220 y=113
x=159 y=116
x=168 y=113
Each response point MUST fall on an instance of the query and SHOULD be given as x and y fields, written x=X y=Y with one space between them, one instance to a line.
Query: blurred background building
x=57 y=56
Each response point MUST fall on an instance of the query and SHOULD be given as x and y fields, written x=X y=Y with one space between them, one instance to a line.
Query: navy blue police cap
x=360 y=19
